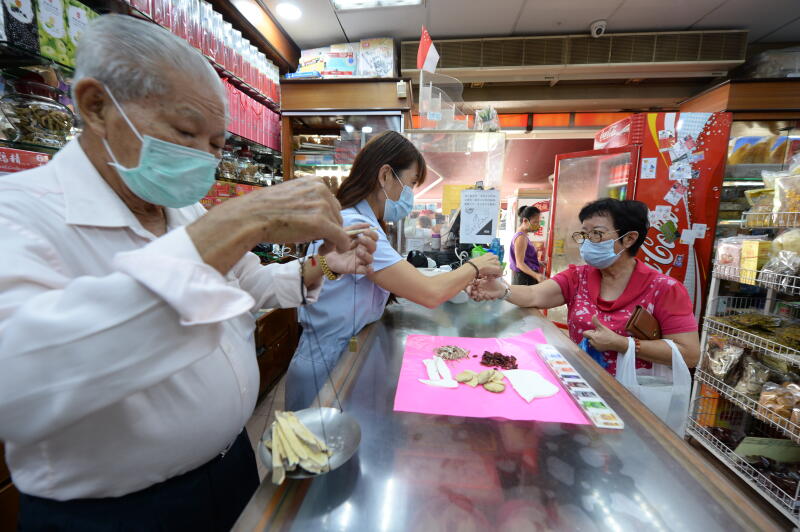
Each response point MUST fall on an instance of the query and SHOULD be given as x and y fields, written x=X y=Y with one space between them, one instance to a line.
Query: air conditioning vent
x=712 y=51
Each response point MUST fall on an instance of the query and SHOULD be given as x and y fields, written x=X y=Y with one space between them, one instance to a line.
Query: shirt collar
x=363 y=208
x=88 y=199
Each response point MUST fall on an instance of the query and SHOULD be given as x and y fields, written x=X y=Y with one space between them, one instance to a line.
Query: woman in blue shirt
x=378 y=190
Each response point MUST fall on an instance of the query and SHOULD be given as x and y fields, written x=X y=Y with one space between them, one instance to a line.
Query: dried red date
x=498 y=360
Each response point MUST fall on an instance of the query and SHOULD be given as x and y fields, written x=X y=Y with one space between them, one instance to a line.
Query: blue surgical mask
x=168 y=174
x=395 y=210
x=600 y=254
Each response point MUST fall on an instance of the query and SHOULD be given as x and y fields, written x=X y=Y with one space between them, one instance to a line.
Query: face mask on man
x=168 y=174
x=395 y=210
x=600 y=254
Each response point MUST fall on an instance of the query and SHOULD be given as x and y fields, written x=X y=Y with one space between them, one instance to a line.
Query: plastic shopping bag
x=664 y=390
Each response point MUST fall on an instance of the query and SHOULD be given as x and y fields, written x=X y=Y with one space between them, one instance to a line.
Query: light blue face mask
x=168 y=174
x=600 y=254
x=395 y=210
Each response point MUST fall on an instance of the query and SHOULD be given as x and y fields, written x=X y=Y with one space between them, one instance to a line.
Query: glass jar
x=247 y=166
x=228 y=165
x=35 y=116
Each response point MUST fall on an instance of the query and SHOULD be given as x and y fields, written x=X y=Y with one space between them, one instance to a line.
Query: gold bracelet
x=326 y=270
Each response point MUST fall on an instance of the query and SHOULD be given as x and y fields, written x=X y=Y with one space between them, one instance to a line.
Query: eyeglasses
x=593 y=236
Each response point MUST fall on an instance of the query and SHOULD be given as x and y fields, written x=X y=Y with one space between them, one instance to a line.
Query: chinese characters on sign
x=480 y=212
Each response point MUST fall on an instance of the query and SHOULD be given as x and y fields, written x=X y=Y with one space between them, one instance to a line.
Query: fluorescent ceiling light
x=366 y=129
x=288 y=11
x=344 y=5
x=349 y=128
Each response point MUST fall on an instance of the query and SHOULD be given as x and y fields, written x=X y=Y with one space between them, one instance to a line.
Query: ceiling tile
x=658 y=15
x=790 y=33
x=545 y=17
x=397 y=22
x=317 y=27
x=459 y=18
x=760 y=17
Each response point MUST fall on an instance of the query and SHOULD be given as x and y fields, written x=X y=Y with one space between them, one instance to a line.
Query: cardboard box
x=755 y=253
x=376 y=58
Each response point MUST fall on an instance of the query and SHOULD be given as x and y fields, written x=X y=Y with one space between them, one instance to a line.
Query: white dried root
x=292 y=445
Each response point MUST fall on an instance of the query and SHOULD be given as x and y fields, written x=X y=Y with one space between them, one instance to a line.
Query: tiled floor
x=262 y=416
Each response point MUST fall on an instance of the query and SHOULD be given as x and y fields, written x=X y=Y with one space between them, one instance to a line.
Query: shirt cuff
x=172 y=268
x=287 y=285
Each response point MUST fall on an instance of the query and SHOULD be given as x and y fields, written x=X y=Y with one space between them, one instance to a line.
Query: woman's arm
x=658 y=351
x=403 y=280
x=520 y=249
x=546 y=294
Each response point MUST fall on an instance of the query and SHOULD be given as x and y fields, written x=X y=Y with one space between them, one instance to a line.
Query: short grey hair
x=130 y=55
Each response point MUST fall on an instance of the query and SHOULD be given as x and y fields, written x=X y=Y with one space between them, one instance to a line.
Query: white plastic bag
x=664 y=390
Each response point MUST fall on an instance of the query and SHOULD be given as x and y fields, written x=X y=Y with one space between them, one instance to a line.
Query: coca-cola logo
x=658 y=254
x=614 y=130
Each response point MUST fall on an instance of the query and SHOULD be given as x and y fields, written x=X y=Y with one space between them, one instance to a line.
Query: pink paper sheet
x=465 y=401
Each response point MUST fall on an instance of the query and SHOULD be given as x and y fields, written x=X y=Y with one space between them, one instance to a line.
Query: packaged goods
x=787 y=194
x=52 y=31
x=777 y=402
x=722 y=358
x=34 y=118
x=762 y=203
x=788 y=240
x=19 y=25
x=754 y=375
x=781 y=271
x=78 y=18
x=755 y=253
x=376 y=58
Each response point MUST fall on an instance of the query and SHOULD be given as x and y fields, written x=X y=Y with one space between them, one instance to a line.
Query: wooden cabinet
x=277 y=334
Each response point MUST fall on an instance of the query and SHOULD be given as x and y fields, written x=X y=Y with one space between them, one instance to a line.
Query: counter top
x=422 y=472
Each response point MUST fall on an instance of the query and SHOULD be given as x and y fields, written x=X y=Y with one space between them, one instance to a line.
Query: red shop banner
x=12 y=160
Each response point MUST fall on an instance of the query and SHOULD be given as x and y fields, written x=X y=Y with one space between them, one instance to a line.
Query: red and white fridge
x=673 y=162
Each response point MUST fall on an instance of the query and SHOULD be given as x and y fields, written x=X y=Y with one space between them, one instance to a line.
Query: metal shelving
x=784 y=284
x=770 y=220
x=750 y=405
x=787 y=503
x=717 y=404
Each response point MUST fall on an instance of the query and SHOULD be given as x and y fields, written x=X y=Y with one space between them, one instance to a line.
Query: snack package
x=787 y=194
x=777 y=402
x=795 y=416
x=762 y=203
x=723 y=358
x=788 y=240
x=755 y=253
x=781 y=271
x=754 y=375
x=729 y=251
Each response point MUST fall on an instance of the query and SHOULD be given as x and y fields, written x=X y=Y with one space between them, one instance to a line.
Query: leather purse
x=643 y=325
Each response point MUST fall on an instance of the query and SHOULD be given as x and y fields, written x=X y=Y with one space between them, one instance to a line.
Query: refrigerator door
x=580 y=178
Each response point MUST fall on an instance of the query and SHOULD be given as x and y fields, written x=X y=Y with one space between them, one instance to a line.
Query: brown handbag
x=643 y=325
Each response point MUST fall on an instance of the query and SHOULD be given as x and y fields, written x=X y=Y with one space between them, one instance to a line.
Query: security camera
x=598 y=28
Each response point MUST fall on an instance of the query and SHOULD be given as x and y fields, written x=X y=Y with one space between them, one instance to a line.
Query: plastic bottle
x=496 y=248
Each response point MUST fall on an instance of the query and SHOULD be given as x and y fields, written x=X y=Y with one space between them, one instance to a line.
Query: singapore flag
x=427 y=56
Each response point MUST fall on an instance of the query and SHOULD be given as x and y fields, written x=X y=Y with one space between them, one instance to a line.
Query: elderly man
x=127 y=365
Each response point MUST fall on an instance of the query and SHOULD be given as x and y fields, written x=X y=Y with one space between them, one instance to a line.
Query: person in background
x=526 y=269
x=379 y=189
x=439 y=223
x=127 y=363
x=602 y=295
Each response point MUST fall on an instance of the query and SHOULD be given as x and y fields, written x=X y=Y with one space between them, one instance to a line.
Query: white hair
x=130 y=57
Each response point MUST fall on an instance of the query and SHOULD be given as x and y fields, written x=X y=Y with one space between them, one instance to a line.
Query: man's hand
x=359 y=258
x=604 y=339
x=299 y=210
x=486 y=289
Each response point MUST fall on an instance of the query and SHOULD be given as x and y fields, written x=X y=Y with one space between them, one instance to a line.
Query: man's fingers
x=336 y=236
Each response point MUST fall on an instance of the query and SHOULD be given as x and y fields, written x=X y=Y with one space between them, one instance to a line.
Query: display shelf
x=240 y=182
x=787 y=503
x=750 y=171
x=729 y=223
x=715 y=327
x=785 y=284
x=28 y=147
x=770 y=220
x=750 y=405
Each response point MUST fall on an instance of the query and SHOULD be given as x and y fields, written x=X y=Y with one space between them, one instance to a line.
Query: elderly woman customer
x=601 y=295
